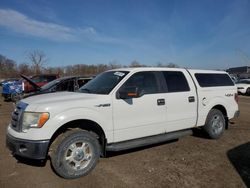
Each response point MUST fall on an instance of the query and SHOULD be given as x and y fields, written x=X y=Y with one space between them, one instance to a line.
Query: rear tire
x=215 y=124
x=248 y=91
x=75 y=154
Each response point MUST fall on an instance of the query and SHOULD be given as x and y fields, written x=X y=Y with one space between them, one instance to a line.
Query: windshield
x=50 y=84
x=243 y=82
x=104 y=83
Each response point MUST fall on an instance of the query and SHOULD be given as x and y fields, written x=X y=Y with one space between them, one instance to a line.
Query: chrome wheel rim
x=78 y=155
x=217 y=124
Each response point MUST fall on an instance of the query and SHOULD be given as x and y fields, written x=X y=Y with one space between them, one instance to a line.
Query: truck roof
x=135 y=69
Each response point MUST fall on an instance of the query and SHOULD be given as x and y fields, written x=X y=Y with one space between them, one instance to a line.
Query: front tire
x=215 y=124
x=75 y=154
x=15 y=97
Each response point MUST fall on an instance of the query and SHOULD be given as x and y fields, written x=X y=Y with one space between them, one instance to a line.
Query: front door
x=143 y=116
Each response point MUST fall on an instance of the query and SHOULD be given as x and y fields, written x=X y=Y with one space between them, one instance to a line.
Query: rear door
x=181 y=100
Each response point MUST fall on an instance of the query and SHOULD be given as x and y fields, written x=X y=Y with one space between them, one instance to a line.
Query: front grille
x=16 y=117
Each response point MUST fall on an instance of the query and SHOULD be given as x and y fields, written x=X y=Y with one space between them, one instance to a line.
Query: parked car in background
x=234 y=78
x=8 y=80
x=12 y=89
x=40 y=80
x=69 y=83
x=243 y=86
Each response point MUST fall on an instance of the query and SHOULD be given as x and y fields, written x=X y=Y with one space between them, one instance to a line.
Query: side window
x=38 y=79
x=35 y=79
x=176 y=81
x=63 y=86
x=146 y=82
x=82 y=82
x=71 y=85
x=43 y=79
x=50 y=78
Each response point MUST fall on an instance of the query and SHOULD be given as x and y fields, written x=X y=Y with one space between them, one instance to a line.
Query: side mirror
x=129 y=93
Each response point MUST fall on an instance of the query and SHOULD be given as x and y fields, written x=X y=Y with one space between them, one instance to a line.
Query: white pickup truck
x=118 y=110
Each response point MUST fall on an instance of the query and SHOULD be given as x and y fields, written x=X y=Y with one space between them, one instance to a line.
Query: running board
x=147 y=140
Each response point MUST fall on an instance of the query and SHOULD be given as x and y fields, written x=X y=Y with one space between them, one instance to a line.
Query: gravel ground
x=192 y=161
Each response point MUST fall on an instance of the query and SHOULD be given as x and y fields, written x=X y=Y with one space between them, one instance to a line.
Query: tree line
x=38 y=61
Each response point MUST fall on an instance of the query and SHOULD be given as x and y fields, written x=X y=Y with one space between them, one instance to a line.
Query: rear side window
x=176 y=81
x=213 y=80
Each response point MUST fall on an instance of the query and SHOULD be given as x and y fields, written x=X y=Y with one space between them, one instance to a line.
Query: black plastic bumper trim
x=33 y=149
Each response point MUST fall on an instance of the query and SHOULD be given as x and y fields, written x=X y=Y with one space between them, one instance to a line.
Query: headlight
x=34 y=120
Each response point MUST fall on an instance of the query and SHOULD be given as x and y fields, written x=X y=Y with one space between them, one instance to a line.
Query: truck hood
x=56 y=103
x=60 y=97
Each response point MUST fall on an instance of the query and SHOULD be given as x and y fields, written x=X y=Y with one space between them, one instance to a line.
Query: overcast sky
x=209 y=34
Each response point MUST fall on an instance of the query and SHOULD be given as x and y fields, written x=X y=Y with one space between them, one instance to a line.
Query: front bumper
x=32 y=149
x=242 y=91
x=6 y=96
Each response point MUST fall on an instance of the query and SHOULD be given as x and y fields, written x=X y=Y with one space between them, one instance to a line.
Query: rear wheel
x=248 y=91
x=215 y=124
x=75 y=154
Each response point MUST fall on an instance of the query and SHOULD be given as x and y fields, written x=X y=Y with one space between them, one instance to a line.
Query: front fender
x=101 y=117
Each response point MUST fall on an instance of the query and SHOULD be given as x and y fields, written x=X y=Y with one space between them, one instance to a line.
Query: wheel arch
x=83 y=124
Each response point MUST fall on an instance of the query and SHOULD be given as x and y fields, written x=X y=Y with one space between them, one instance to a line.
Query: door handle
x=160 y=102
x=191 y=99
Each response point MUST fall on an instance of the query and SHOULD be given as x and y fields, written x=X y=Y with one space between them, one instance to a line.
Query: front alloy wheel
x=75 y=153
x=78 y=155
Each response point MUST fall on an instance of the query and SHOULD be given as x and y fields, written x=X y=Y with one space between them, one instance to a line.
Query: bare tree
x=25 y=69
x=38 y=60
x=7 y=67
x=170 y=65
x=136 y=64
x=173 y=65
x=114 y=65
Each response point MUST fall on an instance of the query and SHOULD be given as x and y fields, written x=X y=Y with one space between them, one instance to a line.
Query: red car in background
x=40 y=80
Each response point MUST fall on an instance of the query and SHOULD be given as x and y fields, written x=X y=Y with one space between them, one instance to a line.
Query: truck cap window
x=104 y=83
x=213 y=79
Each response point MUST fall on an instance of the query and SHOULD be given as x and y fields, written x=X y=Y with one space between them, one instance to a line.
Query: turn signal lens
x=42 y=120
x=132 y=94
